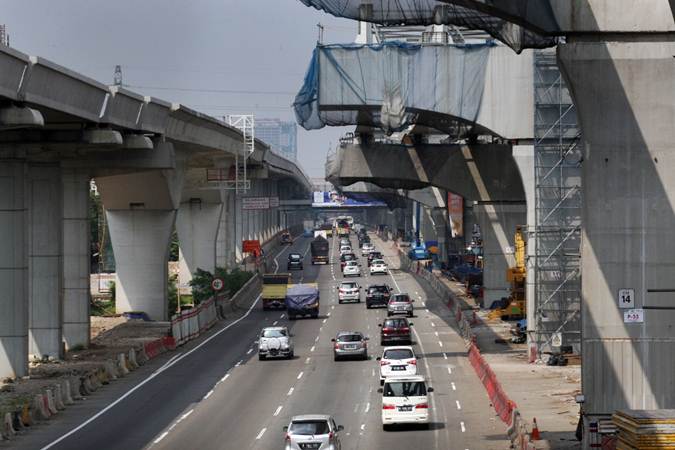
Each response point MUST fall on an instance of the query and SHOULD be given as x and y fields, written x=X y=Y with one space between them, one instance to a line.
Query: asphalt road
x=219 y=396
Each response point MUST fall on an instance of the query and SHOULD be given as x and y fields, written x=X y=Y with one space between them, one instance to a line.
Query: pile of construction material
x=645 y=429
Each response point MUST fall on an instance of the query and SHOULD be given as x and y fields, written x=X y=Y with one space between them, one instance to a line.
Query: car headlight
x=284 y=346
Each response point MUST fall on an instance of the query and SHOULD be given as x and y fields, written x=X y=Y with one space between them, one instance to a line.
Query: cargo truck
x=319 y=248
x=302 y=300
x=275 y=286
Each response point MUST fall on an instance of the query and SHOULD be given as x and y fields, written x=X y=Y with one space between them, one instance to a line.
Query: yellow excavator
x=516 y=277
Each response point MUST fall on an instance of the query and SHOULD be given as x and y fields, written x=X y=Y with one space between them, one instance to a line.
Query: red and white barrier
x=190 y=323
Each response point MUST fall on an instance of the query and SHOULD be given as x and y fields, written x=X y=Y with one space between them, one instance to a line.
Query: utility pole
x=118 y=79
x=4 y=37
x=321 y=29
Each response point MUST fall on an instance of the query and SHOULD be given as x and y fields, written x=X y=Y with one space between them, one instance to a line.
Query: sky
x=170 y=48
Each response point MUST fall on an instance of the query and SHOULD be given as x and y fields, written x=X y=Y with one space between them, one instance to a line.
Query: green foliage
x=172 y=288
x=201 y=282
x=173 y=247
x=102 y=307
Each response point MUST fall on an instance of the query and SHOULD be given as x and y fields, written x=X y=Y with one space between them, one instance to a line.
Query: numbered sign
x=634 y=316
x=626 y=298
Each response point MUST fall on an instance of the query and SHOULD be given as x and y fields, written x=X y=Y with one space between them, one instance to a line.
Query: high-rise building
x=281 y=136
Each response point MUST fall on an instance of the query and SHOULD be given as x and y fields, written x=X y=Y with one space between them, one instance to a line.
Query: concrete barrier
x=50 y=402
x=58 y=397
x=110 y=369
x=74 y=383
x=8 y=431
x=132 y=359
x=122 y=368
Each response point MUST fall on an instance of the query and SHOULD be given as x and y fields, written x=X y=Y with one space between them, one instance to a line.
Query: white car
x=367 y=248
x=345 y=249
x=349 y=291
x=397 y=361
x=405 y=400
x=313 y=431
x=351 y=269
x=378 y=266
x=275 y=342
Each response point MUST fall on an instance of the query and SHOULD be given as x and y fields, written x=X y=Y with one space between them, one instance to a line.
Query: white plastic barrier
x=190 y=323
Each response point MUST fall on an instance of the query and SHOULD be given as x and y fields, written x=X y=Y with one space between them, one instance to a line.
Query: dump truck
x=319 y=248
x=302 y=300
x=274 y=290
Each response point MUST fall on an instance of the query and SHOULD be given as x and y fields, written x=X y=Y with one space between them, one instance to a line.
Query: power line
x=212 y=91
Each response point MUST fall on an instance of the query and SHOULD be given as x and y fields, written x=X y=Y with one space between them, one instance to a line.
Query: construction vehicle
x=274 y=290
x=515 y=304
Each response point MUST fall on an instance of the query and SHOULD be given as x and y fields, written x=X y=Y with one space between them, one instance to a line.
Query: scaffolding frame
x=558 y=207
x=238 y=180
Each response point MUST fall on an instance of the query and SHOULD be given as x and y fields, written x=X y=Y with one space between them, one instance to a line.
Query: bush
x=201 y=282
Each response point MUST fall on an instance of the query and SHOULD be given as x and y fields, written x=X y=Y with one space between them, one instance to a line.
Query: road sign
x=634 y=316
x=556 y=340
x=217 y=284
x=626 y=298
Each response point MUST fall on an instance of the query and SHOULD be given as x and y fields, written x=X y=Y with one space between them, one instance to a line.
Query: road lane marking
x=282 y=316
x=367 y=407
x=227 y=375
x=312 y=349
x=436 y=333
x=260 y=435
x=458 y=405
x=238 y=364
x=440 y=343
x=166 y=366
x=463 y=427
x=276 y=413
x=317 y=339
x=275 y=322
x=325 y=320
x=307 y=360
x=250 y=350
x=332 y=307
x=454 y=388
x=290 y=391
x=328 y=314
x=161 y=436
x=300 y=375
x=363 y=426
x=445 y=356
x=450 y=370
x=208 y=394
x=433 y=324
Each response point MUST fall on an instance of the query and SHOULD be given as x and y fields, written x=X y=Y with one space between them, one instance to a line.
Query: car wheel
x=291 y=355
x=388 y=314
x=368 y=306
x=365 y=357
x=335 y=358
x=385 y=427
x=261 y=357
x=426 y=426
x=381 y=382
x=382 y=343
x=339 y=302
x=410 y=314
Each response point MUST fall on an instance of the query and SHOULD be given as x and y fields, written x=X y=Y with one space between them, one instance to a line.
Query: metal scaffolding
x=558 y=204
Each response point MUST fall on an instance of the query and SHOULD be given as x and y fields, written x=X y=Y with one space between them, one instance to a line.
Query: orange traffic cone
x=534 y=435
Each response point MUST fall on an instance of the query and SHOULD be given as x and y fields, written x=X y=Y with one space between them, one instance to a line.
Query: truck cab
x=274 y=290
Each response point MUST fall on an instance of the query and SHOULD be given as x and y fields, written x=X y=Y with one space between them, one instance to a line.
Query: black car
x=395 y=330
x=373 y=256
x=377 y=295
x=294 y=261
x=363 y=239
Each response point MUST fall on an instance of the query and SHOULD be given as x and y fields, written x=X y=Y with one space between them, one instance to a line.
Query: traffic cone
x=534 y=435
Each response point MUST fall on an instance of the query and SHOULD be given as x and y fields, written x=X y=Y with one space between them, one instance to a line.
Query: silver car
x=351 y=269
x=275 y=342
x=400 y=304
x=347 y=344
x=313 y=432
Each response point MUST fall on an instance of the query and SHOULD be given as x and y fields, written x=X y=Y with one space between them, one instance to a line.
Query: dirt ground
x=110 y=336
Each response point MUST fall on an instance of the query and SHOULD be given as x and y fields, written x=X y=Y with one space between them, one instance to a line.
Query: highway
x=220 y=396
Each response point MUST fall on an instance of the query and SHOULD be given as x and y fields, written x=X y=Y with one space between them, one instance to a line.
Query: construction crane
x=516 y=276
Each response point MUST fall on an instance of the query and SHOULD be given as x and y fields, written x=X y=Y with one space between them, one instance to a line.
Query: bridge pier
x=13 y=269
x=76 y=258
x=625 y=95
x=497 y=222
x=45 y=260
x=197 y=224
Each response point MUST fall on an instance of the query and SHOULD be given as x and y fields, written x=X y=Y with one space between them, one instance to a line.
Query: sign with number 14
x=627 y=298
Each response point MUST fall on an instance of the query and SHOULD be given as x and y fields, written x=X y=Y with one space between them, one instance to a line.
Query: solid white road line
x=208 y=394
x=161 y=436
x=149 y=378
x=260 y=435
x=238 y=364
x=227 y=375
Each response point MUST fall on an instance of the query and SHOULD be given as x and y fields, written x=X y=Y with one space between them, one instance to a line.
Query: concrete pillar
x=76 y=259
x=13 y=270
x=140 y=240
x=497 y=224
x=44 y=261
x=197 y=224
x=225 y=239
x=440 y=218
x=625 y=95
x=239 y=227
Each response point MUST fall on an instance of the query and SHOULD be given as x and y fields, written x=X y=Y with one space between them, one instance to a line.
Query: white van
x=405 y=400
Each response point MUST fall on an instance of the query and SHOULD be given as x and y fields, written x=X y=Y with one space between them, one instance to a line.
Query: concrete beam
x=485 y=172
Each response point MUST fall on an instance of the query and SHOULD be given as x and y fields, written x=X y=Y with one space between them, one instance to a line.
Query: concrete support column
x=440 y=218
x=625 y=95
x=197 y=225
x=76 y=258
x=225 y=238
x=13 y=270
x=498 y=224
x=140 y=240
x=44 y=261
x=240 y=232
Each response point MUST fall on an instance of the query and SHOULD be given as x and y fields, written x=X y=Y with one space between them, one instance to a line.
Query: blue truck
x=302 y=300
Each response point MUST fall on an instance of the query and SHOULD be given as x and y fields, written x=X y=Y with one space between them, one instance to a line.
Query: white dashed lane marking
x=260 y=435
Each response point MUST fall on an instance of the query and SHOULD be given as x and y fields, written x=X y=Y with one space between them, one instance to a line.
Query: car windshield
x=401 y=298
x=274 y=333
x=395 y=323
x=294 y=257
x=405 y=389
x=352 y=263
x=349 y=256
x=348 y=286
x=398 y=353
x=350 y=338
x=309 y=427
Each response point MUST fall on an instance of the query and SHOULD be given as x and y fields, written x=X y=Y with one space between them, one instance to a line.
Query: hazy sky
x=180 y=45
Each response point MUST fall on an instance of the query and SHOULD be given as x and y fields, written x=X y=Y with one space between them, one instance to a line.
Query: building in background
x=281 y=136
